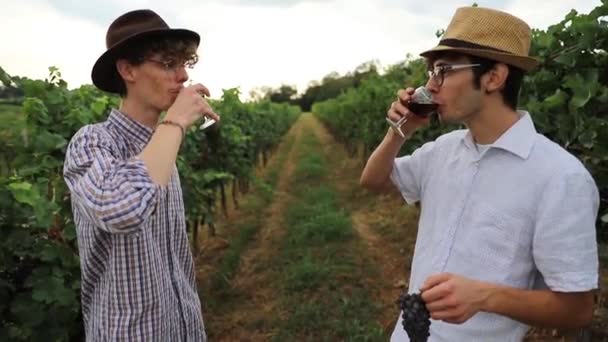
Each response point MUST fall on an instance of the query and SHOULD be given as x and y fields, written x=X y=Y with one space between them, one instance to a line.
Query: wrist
x=489 y=294
x=173 y=123
x=175 y=117
x=395 y=137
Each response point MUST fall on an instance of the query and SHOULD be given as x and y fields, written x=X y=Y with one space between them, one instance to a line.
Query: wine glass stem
x=402 y=121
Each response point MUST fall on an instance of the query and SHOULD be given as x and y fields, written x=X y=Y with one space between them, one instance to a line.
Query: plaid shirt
x=137 y=269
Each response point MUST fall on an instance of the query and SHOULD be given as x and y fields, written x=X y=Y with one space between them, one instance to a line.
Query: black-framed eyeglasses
x=172 y=65
x=438 y=73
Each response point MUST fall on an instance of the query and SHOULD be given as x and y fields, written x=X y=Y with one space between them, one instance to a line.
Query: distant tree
x=333 y=84
x=285 y=93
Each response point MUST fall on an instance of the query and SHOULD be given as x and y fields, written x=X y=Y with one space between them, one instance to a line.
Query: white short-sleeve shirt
x=520 y=214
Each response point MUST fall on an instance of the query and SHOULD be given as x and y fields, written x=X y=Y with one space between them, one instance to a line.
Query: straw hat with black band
x=490 y=34
x=126 y=29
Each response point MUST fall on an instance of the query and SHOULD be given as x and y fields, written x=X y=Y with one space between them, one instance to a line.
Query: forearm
x=541 y=308
x=161 y=152
x=380 y=164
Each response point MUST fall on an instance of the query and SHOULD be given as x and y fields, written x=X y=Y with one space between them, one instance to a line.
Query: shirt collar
x=129 y=127
x=518 y=139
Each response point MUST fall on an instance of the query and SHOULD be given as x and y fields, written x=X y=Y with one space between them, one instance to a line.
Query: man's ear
x=125 y=70
x=495 y=78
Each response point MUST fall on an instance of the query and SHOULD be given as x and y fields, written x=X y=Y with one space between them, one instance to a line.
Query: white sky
x=247 y=43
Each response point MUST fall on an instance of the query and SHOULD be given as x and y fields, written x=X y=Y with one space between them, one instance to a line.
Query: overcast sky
x=248 y=43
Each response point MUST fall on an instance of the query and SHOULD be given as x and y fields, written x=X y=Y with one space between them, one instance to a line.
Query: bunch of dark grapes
x=416 y=317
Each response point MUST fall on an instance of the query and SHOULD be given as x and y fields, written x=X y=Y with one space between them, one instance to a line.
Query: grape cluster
x=416 y=317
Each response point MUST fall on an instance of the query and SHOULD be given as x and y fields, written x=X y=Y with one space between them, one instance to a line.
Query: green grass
x=220 y=280
x=309 y=273
x=272 y=176
x=320 y=267
x=220 y=291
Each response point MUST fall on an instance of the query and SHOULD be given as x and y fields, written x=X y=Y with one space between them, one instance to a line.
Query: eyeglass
x=438 y=73
x=173 y=65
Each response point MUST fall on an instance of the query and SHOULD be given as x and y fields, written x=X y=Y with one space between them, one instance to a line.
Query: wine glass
x=207 y=122
x=421 y=104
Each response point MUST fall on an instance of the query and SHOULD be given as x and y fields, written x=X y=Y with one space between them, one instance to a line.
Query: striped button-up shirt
x=520 y=213
x=138 y=280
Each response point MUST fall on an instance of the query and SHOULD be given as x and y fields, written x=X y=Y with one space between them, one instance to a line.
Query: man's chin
x=445 y=118
x=170 y=101
x=165 y=106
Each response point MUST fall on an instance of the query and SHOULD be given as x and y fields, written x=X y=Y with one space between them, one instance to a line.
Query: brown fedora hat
x=125 y=29
x=490 y=34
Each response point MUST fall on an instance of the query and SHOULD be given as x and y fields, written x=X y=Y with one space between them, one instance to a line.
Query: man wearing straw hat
x=506 y=237
x=138 y=279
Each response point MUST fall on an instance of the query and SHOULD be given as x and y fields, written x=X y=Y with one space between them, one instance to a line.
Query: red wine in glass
x=421 y=105
x=422 y=109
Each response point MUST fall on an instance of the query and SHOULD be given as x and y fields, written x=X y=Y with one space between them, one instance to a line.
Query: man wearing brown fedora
x=138 y=279
x=506 y=237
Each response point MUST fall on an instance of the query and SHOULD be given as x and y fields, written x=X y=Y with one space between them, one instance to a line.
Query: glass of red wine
x=421 y=105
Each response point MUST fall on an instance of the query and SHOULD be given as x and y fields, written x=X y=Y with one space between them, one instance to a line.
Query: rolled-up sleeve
x=564 y=243
x=117 y=195
x=408 y=172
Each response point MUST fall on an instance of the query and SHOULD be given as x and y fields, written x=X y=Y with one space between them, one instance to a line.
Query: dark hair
x=135 y=53
x=510 y=92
